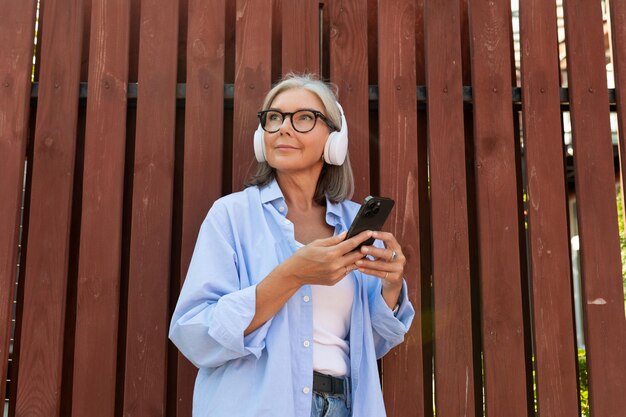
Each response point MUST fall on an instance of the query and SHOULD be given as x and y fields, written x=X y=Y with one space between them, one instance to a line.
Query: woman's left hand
x=387 y=264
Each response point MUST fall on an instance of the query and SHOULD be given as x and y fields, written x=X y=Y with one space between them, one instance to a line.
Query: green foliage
x=622 y=237
x=584 y=383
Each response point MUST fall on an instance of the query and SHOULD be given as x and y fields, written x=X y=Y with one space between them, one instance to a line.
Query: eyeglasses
x=302 y=121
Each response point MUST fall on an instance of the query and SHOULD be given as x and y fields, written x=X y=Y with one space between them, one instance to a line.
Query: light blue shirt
x=270 y=371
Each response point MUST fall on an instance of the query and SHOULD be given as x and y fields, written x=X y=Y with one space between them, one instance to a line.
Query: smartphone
x=371 y=216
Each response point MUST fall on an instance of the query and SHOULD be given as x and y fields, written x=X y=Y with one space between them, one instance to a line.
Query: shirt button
x=281 y=209
x=306 y=298
x=306 y=343
x=306 y=390
x=287 y=222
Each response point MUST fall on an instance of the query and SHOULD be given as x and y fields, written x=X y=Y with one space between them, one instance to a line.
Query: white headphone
x=335 y=149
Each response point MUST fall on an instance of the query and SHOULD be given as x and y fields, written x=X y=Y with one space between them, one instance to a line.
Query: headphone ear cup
x=336 y=147
x=259 y=146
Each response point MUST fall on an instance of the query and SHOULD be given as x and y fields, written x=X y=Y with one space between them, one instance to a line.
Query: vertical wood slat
x=348 y=70
x=204 y=113
x=133 y=49
x=553 y=321
x=402 y=369
x=471 y=206
x=277 y=40
x=454 y=368
x=252 y=80
x=300 y=36
x=95 y=353
x=618 y=47
x=424 y=227
x=603 y=294
x=497 y=211
x=183 y=31
x=17 y=30
x=150 y=241
x=46 y=269
x=86 y=43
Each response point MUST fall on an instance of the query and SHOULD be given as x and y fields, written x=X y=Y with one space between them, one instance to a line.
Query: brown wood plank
x=300 y=36
x=133 y=50
x=603 y=294
x=277 y=40
x=424 y=220
x=19 y=296
x=471 y=207
x=325 y=35
x=372 y=42
x=454 y=368
x=553 y=320
x=204 y=112
x=618 y=47
x=86 y=43
x=17 y=30
x=403 y=386
x=150 y=242
x=465 y=45
x=348 y=70
x=229 y=53
x=46 y=268
x=99 y=265
x=252 y=81
x=183 y=29
x=497 y=211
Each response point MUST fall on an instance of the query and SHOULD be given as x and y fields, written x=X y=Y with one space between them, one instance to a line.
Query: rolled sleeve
x=214 y=307
x=389 y=328
x=232 y=316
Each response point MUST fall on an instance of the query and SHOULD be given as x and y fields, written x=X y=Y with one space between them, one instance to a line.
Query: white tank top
x=332 y=308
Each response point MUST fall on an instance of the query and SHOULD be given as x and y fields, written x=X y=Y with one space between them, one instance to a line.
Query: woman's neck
x=298 y=190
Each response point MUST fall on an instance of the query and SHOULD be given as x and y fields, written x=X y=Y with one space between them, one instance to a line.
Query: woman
x=278 y=311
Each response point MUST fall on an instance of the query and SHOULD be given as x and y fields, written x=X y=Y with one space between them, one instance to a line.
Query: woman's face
x=290 y=151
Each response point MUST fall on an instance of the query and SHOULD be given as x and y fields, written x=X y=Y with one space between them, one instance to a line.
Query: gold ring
x=387 y=274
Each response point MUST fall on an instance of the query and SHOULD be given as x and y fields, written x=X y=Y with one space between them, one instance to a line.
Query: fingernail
x=359 y=262
x=364 y=249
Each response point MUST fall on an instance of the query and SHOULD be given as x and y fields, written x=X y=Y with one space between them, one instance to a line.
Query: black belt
x=328 y=384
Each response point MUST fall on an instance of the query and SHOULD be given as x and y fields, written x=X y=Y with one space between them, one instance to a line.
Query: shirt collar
x=272 y=192
x=333 y=212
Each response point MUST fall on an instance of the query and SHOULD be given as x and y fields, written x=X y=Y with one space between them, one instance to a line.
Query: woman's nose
x=286 y=124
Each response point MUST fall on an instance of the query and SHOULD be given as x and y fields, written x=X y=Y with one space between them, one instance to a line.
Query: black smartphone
x=371 y=216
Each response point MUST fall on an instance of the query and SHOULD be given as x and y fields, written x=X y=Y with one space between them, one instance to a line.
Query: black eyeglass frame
x=318 y=115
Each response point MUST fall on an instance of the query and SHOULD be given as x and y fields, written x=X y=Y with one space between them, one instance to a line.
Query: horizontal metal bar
x=421 y=96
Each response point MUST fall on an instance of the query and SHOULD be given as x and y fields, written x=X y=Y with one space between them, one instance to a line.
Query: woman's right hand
x=325 y=261
x=321 y=262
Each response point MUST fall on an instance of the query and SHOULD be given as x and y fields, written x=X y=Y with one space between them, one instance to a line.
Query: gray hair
x=335 y=182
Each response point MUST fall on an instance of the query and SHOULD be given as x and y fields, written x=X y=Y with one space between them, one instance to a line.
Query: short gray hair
x=336 y=181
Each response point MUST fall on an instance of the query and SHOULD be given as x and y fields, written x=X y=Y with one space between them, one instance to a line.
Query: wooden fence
x=140 y=114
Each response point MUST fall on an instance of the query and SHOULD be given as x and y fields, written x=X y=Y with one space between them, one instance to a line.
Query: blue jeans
x=328 y=405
